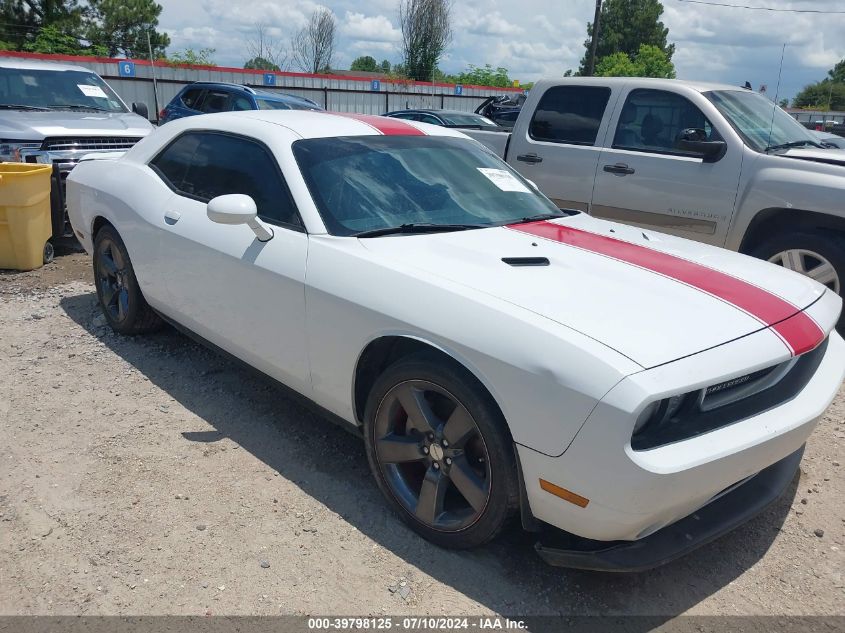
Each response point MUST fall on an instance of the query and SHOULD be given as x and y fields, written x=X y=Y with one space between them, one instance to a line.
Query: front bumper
x=717 y=518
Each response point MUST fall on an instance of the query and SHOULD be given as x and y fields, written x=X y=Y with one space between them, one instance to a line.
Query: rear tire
x=821 y=257
x=441 y=451
x=118 y=292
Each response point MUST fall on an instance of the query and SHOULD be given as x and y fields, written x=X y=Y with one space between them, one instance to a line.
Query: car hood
x=829 y=156
x=35 y=126
x=655 y=303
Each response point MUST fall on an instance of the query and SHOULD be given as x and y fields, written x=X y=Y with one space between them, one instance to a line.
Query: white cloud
x=376 y=28
x=488 y=24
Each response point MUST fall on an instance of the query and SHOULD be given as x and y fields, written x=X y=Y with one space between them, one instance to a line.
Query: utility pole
x=591 y=66
x=153 y=68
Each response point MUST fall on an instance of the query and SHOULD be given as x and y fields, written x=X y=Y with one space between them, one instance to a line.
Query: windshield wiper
x=792 y=144
x=78 y=106
x=15 y=106
x=418 y=227
x=541 y=216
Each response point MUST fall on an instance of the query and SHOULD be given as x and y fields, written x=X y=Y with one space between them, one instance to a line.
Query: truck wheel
x=820 y=257
x=441 y=452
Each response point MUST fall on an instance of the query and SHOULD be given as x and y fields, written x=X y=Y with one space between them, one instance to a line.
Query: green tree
x=21 y=20
x=189 y=56
x=426 y=31
x=481 y=76
x=837 y=73
x=365 y=63
x=51 y=39
x=616 y=65
x=259 y=63
x=625 y=25
x=122 y=26
x=827 y=94
x=385 y=67
x=649 y=61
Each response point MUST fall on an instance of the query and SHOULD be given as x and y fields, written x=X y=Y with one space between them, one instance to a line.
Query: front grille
x=88 y=143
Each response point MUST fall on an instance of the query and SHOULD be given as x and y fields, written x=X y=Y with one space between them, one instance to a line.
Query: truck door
x=644 y=179
x=557 y=148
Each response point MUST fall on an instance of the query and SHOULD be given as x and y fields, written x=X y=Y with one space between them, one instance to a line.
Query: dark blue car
x=203 y=97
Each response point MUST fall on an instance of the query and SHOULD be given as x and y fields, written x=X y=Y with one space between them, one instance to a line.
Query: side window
x=215 y=101
x=173 y=162
x=192 y=97
x=427 y=118
x=653 y=121
x=239 y=102
x=204 y=165
x=569 y=114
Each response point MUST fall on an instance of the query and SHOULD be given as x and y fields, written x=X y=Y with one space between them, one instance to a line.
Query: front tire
x=118 y=292
x=441 y=452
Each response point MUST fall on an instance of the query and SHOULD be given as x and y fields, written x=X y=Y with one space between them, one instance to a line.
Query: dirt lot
x=150 y=476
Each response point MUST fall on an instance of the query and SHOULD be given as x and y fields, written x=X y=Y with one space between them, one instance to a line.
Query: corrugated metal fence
x=133 y=81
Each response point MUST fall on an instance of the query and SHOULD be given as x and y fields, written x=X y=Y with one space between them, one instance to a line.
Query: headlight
x=661 y=412
x=10 y=152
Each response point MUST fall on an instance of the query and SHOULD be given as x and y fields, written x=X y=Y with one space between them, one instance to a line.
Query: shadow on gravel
x=329 y=464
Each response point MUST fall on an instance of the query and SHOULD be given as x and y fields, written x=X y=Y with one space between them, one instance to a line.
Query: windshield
x=760 y=122
x=466 y=119
x=272 y=104
x=57 y=89
x=364 y=183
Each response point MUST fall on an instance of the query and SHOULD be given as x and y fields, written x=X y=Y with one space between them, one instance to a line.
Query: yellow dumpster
x=25 y=225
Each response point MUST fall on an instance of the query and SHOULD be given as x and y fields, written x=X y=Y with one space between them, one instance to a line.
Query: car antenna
x=777 y=92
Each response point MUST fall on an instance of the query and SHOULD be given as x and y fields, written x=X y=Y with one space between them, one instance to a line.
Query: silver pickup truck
x=713 y=163
x=56 y=114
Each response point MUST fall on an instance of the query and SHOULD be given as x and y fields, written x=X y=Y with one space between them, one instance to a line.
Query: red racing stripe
x=797 y=330
x=385 y=125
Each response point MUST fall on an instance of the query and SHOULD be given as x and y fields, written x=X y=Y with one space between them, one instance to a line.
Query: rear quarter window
x=569 y=114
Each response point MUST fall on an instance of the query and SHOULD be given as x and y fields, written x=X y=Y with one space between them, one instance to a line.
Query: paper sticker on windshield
x=504 y=180
x=92 y=91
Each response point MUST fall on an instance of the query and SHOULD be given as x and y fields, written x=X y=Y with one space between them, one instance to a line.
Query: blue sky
x=537 y=38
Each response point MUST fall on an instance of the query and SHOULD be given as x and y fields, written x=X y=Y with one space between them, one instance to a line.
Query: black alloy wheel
x=118 y=292
x=432 y=455
x=441 y=451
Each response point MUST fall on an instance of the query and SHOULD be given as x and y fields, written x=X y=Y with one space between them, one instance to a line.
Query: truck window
x=652 y=121
x=569 y=114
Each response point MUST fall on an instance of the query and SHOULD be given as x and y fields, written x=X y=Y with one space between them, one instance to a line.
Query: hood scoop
x=526 y=261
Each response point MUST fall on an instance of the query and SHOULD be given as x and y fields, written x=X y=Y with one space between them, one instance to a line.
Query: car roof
x=263 y=94
x=433 y=111
x=31 y=64
x=644 y=82
x=313 y=123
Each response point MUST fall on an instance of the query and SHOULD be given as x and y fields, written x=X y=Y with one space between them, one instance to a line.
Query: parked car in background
x=447 y=118
x=56 y=113
x=503 y=109
x=643 y=393
x=203 y=97
x=714 y=163
x=829 y=139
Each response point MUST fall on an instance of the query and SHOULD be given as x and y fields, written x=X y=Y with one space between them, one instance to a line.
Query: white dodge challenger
x=629 y=394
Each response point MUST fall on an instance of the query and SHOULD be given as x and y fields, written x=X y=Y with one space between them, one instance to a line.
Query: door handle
x=172 y=217
x=620 y=169
x=530 y=158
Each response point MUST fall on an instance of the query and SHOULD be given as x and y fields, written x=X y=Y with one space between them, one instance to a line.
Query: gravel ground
x=150 y=476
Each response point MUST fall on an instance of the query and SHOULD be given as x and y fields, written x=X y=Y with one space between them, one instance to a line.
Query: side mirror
x=236 y=208
x=693 y=140
x=141 y=110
